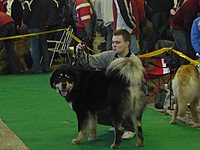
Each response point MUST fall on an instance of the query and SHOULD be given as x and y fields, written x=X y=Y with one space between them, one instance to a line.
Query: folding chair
x=157 y=74
x=61 y=46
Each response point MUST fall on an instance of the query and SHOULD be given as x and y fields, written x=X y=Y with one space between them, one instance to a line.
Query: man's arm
x=101 y=60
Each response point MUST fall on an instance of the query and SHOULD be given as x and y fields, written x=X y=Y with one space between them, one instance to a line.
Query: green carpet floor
x=44 y=121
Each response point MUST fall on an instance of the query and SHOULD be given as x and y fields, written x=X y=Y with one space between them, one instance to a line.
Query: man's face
x=119 y=45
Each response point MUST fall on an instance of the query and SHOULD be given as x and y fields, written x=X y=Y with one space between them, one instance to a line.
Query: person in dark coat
x=15 y=11
x=160 y=14
x=181 y=24
x=7 y=28
x=38 y=14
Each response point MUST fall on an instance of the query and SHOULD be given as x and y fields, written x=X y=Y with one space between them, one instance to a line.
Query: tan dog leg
x=193 y=107
x=92 y=127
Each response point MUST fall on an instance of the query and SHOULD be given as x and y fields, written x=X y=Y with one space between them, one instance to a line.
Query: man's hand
x=80 y=47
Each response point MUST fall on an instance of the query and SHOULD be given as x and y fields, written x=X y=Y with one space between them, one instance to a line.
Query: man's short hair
x=125 y=34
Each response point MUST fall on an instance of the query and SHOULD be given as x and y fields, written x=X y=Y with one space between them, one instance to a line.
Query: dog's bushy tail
x=129 y=70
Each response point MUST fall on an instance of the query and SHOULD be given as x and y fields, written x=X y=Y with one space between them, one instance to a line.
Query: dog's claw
x=139 y=144
x=75 y=141
x=172 y=122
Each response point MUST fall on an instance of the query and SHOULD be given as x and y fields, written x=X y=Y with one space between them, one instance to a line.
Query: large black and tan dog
x=89 y=91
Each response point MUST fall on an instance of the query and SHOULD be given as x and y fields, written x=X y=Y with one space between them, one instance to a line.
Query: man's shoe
x=128 y=135
x=47 y=70
x=112 y=129
x=33 y=72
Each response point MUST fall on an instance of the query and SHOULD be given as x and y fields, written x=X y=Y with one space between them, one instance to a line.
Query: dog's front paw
x=115 y=146
x=172 y=122
x=76 y=141
x=90 y=138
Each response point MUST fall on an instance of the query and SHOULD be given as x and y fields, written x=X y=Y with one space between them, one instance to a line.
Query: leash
x=85 y=59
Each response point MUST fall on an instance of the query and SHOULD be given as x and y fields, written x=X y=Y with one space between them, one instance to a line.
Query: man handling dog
x=120 y=44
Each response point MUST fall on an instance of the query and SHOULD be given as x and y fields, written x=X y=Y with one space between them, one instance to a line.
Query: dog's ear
x=52 y=83
x=52 y=80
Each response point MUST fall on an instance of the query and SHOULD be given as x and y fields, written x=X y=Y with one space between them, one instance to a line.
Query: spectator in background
x=2 y=5
x=107 y=17
x=7 y=28
x=22 y=29
x=97 y=7
x=195 y=35
x=181 y=24
x=84 y=26
x=15 y=10
x=159 y=16
x=38 y=14
x=129 y=15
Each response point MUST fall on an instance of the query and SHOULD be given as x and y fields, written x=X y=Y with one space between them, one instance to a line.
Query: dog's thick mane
x=127 y=69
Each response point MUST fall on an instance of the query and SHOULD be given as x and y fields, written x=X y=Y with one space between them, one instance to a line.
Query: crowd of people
x=32 y=16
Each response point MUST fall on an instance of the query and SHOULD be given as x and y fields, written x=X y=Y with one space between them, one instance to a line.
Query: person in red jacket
x=82 y=14
x=181 y=24
x=7 y=28
x=129 y=14
x=2 y=5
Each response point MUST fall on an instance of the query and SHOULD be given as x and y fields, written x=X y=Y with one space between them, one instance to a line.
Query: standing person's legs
x=133 y=46
x=181 y=44
x=190 y=50
x=9 y=30
x=159 y=20
x=164 y=19
x=156 y=20
x=44 y=51
x=34 y=49
x=109 y=29
x=1 y=41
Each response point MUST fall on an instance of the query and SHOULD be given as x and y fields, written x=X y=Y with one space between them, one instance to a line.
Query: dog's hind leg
x=137 y=122
x=117 y=118
x=82 y=127
x=24 y=66
x=118 y=134
x=193 y=107
x=92 y=126
x=181 y=108
x=174 y=116
x=182 y=102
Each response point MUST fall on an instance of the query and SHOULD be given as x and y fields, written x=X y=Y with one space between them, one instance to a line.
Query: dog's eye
x=66 y=76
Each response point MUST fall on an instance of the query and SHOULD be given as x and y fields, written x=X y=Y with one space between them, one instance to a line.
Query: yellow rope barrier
x=162 y=50
x=154 y=53
x=31 y=34
x=151 y=54
x=46 y=32
x=186 y=57
x=79 y=41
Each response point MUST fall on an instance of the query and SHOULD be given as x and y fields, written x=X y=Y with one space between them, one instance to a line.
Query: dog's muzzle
x=63 y=88
x=63 y=92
